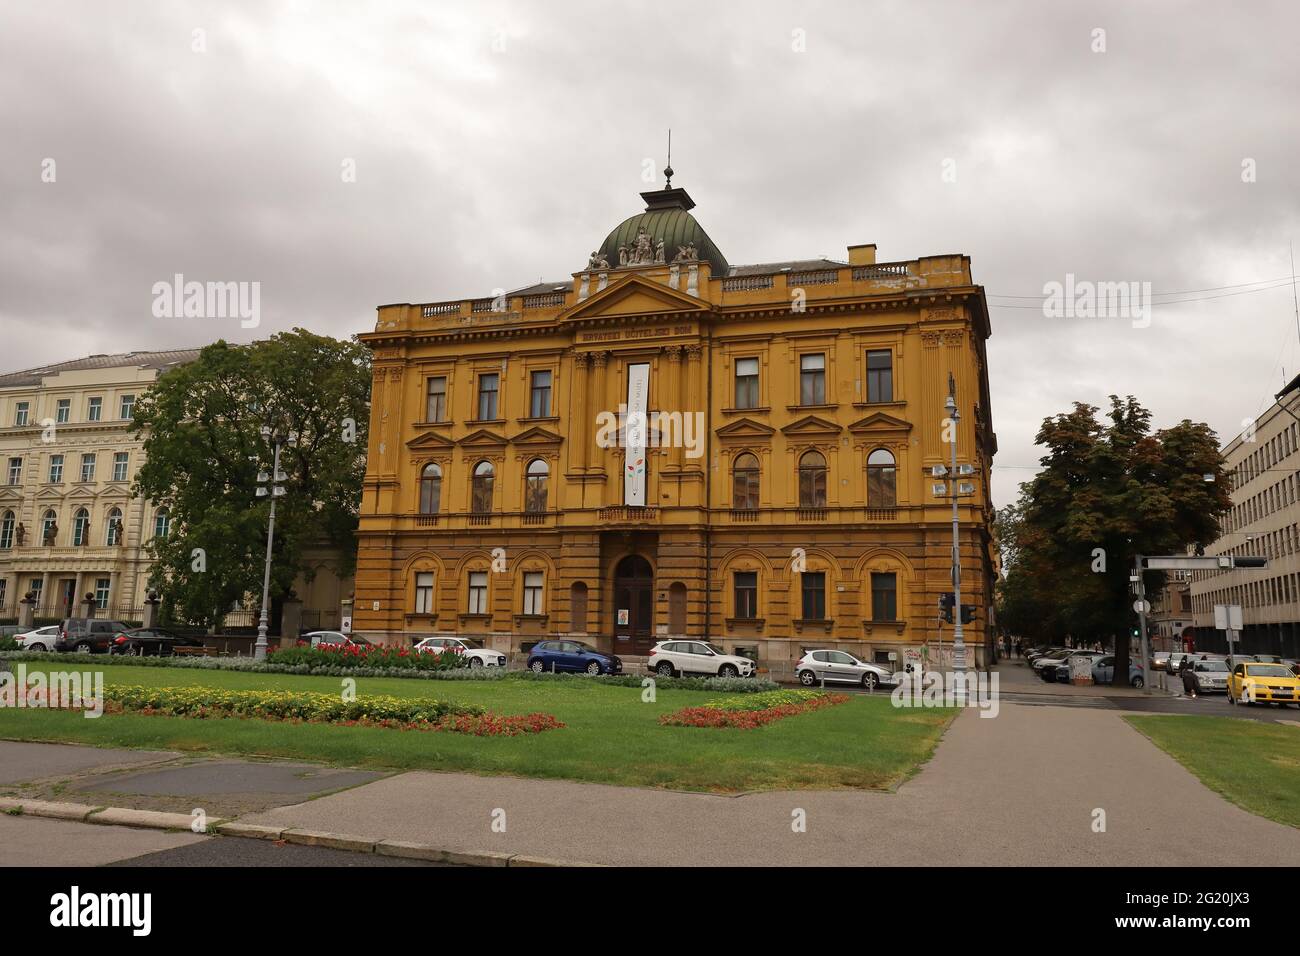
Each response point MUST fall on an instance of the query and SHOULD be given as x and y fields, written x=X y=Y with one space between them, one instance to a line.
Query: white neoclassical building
x=69 y=525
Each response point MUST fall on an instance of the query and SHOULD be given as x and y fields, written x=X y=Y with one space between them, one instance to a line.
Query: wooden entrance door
x=633 y=606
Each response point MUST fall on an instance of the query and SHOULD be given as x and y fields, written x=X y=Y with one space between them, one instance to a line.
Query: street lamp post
x=275 y=490
x=958 y=637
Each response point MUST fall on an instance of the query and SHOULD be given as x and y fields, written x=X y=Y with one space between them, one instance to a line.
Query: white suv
x=670 y=658
x=474 y=653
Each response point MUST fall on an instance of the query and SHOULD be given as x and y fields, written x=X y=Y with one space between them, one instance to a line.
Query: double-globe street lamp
x=269 y=485
x=960 y=489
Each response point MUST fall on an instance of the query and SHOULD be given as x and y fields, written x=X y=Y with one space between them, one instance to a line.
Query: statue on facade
x=51 y=533
x=659 y=251
x=686 y=253
x=597 y=261
x=21 y=533
x=622 y=256
x=115 y=531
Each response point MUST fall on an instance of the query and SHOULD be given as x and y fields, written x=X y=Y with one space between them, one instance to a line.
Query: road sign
x=1227 y=617
x=1225 y=561
x=1142 y=607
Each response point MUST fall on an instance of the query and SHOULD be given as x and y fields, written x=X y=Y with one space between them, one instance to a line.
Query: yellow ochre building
x=667 y=444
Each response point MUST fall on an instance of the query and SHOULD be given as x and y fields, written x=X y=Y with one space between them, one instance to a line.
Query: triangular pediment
x=81 y=491
x=745 y=428
x=482 y=437
x=880 y=422
x=8 y=493
x=429 y=440
x=631 y=296
x=811 y=425
x=537 y=436
x=50 y=494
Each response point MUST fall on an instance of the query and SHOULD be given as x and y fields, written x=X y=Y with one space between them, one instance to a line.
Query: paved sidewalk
x=1018 y=789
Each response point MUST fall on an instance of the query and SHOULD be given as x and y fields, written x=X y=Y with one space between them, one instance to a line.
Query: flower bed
x=335 y=668
x=300 y=706
x=752 y=710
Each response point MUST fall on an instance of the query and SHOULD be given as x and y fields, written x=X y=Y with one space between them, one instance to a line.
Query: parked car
x=474 y=652
x=151 y=642
x=670 y=658
x=1160 y=661
x=1209 y=676
x=41 y=639
x=1061 y=672
x=1263 y=683
x=334 y=639
x=1103 y=671
x=841 y=667
x=87 y=635
x=1054 y=657
x=573 y=656
x=1042 y=650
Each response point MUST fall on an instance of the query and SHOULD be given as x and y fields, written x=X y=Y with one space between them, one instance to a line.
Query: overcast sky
x=497 y=143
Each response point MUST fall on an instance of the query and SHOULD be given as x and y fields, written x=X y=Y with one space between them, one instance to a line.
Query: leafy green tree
x=1109 y=489
x=202 y=425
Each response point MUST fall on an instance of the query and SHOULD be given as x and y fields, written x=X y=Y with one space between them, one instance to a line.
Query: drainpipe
x=708 y=495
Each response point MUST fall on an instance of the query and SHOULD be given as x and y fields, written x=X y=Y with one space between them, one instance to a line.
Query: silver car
x=1210 y=677
x=841 y=668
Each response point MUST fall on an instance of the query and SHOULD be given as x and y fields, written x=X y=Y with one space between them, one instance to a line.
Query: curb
x=155 y=820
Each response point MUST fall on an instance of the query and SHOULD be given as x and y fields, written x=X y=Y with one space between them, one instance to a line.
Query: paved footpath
x=1017 y=789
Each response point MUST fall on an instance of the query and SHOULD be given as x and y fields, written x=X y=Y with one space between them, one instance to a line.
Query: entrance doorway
x=633 y=606
x=68 y=597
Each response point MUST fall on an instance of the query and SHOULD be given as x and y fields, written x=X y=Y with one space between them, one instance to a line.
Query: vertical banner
x=634 y=434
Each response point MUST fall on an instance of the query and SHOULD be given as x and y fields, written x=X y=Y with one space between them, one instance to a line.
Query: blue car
x=573 y=656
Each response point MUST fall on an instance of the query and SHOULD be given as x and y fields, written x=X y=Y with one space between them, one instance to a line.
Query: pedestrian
x=1189 y=679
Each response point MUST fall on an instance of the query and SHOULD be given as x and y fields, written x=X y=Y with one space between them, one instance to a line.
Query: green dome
x=667 y=218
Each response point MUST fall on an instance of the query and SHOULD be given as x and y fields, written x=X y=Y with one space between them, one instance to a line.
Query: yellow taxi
x=1252 y=682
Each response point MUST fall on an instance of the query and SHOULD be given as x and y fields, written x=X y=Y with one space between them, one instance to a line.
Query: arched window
x=430 y=489
x=744 y=482
x=481 y=488
x=162 y=521
x=882 y=480
x=113 y=535
x=535 y=486
x=812 y=480
x=48 y=524
x=7 y=530
x=81 y=527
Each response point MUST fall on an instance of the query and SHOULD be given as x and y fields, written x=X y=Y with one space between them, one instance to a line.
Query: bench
x=194 y=651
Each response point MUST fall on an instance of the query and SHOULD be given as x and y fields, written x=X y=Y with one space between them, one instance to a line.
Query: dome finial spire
x=668 y=170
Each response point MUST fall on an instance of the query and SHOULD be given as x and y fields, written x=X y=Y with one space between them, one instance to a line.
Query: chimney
x=864 y=255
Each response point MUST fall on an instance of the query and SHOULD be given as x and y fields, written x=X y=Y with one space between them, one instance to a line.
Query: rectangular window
x=63 y=411
x=813 y=585
x=119 y=465
x=35 y=585
x=15 y=470
x=812 y=379
x=880 y=376
x=478 y=592
x=3 y=588
x=94 y=409
x=126 y=410
x=56 y=469
x=487 y=396
x=533 y=592
x=101 y=592
x=539 y=401
x=746 y=593
x=747 y=383
x=884 y=597
x=424 y=592
x=435 y=409
x=88 y=467
x=20 y=413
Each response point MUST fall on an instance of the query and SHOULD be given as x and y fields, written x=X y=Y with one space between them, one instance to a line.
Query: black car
x=87 y=635
x=151 y=641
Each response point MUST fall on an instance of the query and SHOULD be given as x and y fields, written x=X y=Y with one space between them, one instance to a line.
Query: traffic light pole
x=1142 y=627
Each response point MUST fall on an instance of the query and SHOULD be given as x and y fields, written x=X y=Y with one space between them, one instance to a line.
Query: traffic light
x=946 y=600
x=967 y=613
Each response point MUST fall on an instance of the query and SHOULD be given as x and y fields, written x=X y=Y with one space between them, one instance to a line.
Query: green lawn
x=611 y=735
x=1253 y=764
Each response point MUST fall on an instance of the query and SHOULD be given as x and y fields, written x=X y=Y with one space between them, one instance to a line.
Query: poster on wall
x=634 y=434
